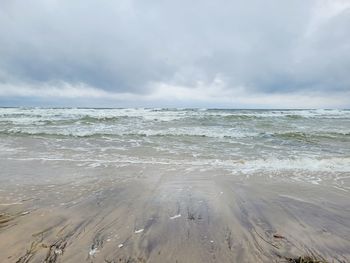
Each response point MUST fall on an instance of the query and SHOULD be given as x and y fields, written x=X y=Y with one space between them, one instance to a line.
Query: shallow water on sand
x=170 y=185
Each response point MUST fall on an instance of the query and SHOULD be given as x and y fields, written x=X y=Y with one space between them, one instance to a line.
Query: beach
x=174 y=185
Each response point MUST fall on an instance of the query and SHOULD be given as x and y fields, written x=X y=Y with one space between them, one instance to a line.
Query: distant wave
x=297 y=136
x=63 y=133
x=101 y=114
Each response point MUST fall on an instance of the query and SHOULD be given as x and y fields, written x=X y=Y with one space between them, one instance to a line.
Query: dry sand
x=149 y=213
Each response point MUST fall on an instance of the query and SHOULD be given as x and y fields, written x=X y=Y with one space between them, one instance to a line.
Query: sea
x=311 y=146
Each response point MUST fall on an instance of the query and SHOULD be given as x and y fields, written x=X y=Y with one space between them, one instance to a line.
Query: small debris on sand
x=93 y=251
x=175 y=216
x=8 y=204
x=58 y=251
x=120 y=245
x=278 y=236
x=306 y=259
x=139 y=231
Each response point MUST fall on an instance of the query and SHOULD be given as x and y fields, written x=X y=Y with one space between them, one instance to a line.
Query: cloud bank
x=124 y=53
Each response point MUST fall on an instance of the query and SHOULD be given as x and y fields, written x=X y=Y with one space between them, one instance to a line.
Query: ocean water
x=311 y=145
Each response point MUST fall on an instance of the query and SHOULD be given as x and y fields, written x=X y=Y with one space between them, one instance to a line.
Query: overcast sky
x=137 y=53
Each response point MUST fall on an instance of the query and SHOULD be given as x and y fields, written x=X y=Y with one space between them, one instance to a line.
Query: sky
x=207 y=54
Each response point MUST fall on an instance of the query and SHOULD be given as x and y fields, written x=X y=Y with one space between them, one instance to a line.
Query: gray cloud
x=135 y=47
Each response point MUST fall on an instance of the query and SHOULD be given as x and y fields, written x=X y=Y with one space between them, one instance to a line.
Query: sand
x=150 y=213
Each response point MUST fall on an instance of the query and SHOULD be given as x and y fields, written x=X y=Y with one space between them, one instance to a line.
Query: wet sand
x=51 y=212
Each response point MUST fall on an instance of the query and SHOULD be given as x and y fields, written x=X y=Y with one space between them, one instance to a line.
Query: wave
x=85 y=120
x=334 y=164
x=272 y=164
x=294 y=116
x=339 y=164
x=311 y=137
x=100 y=114
x=63 y=133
